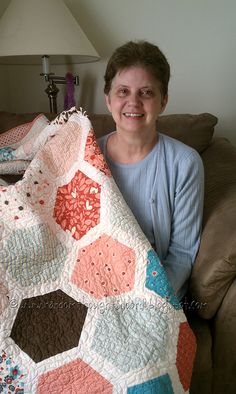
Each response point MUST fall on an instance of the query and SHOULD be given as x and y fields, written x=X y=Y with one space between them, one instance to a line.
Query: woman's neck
x=127 y=150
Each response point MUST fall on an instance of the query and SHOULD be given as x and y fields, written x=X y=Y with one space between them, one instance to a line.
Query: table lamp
x=43 y=31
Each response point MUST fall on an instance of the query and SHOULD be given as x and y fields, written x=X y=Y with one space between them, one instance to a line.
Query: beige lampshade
x=30 y=29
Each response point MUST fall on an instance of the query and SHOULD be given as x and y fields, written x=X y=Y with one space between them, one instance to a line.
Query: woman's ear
x=164 y=103
x=108 y=101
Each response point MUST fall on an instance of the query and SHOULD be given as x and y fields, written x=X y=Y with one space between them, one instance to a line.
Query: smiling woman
x=160 y=178
x=135 y=101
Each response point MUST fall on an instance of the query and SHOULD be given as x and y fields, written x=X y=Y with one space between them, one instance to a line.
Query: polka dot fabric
x=85 y=303
x=16 y=134
x=19 y=135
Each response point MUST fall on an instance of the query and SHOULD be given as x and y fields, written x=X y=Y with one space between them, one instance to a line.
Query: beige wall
x=197 y=36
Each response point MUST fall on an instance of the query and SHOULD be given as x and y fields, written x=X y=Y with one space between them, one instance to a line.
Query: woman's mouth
x=132 y=115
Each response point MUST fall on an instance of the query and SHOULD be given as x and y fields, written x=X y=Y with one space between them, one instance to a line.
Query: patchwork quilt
x=85 y=303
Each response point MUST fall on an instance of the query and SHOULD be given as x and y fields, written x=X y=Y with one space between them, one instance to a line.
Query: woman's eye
x=122 y=92
x=146 y=93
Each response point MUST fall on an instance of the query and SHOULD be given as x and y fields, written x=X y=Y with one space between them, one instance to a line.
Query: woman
x=160 y=178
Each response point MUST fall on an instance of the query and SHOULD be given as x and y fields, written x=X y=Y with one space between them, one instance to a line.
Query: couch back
x=193 y=130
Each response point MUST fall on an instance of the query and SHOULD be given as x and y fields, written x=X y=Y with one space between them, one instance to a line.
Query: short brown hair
x=140 y=53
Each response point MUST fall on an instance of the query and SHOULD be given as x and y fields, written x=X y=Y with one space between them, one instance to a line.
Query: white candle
x=45 y=64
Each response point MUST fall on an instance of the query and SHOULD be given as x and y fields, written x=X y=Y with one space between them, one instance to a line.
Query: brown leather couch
x=211 y=303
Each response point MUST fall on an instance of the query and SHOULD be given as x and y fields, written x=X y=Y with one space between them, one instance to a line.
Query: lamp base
x=52 y=91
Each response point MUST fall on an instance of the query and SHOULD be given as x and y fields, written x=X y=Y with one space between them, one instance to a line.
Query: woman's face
x=135 y=100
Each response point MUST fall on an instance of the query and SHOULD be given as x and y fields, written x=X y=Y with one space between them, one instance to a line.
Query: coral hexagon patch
x=104 y=268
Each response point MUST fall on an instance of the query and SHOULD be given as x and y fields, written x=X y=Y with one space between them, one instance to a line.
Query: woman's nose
x=134 y=99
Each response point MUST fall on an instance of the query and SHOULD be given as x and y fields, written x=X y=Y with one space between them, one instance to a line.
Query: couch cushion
x=102 y=124
x=193 y=130
x=215 y=266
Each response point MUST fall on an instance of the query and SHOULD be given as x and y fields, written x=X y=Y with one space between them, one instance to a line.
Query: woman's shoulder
x=179 y=157
x=102 y=141
x=175 y=148
x=103 y=138
x=181 y=161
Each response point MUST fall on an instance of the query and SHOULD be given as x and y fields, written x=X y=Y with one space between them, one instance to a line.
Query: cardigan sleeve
x=186 y=221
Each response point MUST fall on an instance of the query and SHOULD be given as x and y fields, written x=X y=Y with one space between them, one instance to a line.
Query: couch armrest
x=224 y=350
x=215 y=266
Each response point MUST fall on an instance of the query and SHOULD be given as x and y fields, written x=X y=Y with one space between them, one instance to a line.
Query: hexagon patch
x=132 y=335
x=185 y=359
x=41 y=262
x=104 y=268
x=83 y=380
x=93 y=155
x=51 y=323
x=161 y=385
x=77 y=206
x=157 y=281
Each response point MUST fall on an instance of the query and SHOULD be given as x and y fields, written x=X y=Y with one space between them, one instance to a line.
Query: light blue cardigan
x=165 y=192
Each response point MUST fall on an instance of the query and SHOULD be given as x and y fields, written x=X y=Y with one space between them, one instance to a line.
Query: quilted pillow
x=14 y=136
x=14 y=144
x=9 y=120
